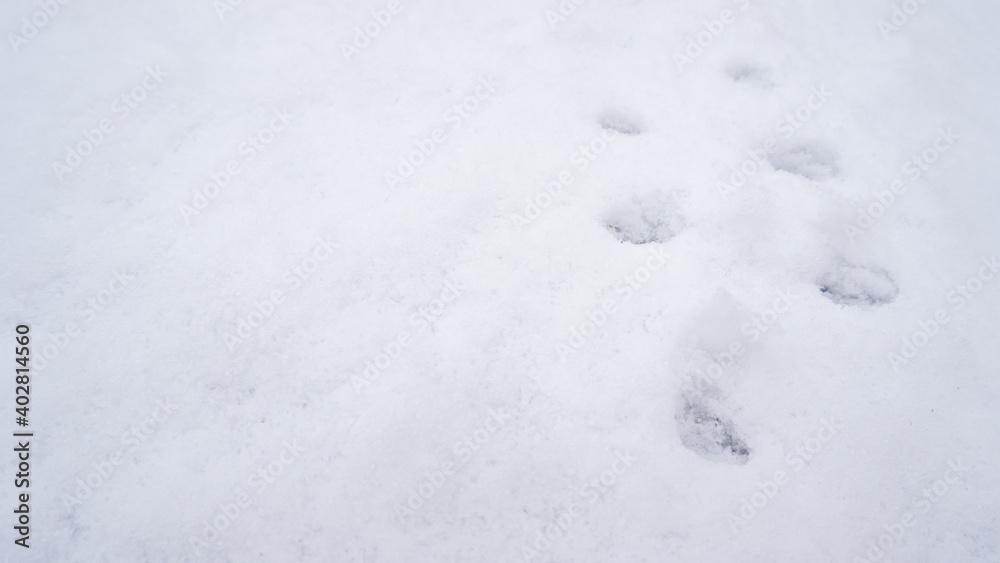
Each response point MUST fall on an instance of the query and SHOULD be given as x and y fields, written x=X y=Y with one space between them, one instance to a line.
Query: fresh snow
x=569 y=281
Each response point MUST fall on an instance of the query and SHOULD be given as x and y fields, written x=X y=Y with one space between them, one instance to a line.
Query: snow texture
x=513 y=281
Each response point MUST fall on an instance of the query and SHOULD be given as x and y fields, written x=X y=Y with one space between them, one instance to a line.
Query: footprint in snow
x=620 y=122
x=709 y=434
x=859 y=286
x=645 y=219
x=809 y=160
x=746 y=72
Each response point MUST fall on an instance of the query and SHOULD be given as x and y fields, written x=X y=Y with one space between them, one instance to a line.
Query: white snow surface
x=201 y=445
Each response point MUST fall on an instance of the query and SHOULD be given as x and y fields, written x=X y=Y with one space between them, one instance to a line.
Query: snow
x=317 y=293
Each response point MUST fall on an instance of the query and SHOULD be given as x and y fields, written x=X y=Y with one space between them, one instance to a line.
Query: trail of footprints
x=702 y=423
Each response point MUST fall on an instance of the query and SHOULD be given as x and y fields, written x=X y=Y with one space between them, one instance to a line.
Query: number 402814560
x=22 y=378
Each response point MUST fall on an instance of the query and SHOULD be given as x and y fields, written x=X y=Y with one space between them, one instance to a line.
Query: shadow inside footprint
x=620 y=122
x=642 y=220
x=811 y=161
x=859 y=286
x=709 y=435
x=745 y=72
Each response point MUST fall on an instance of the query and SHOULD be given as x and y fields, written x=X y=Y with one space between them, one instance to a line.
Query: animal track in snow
x=745 y=72
x=808 y=160
x=859 y=286
x=642 y=220
x=710 y=435
x=620 y=122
